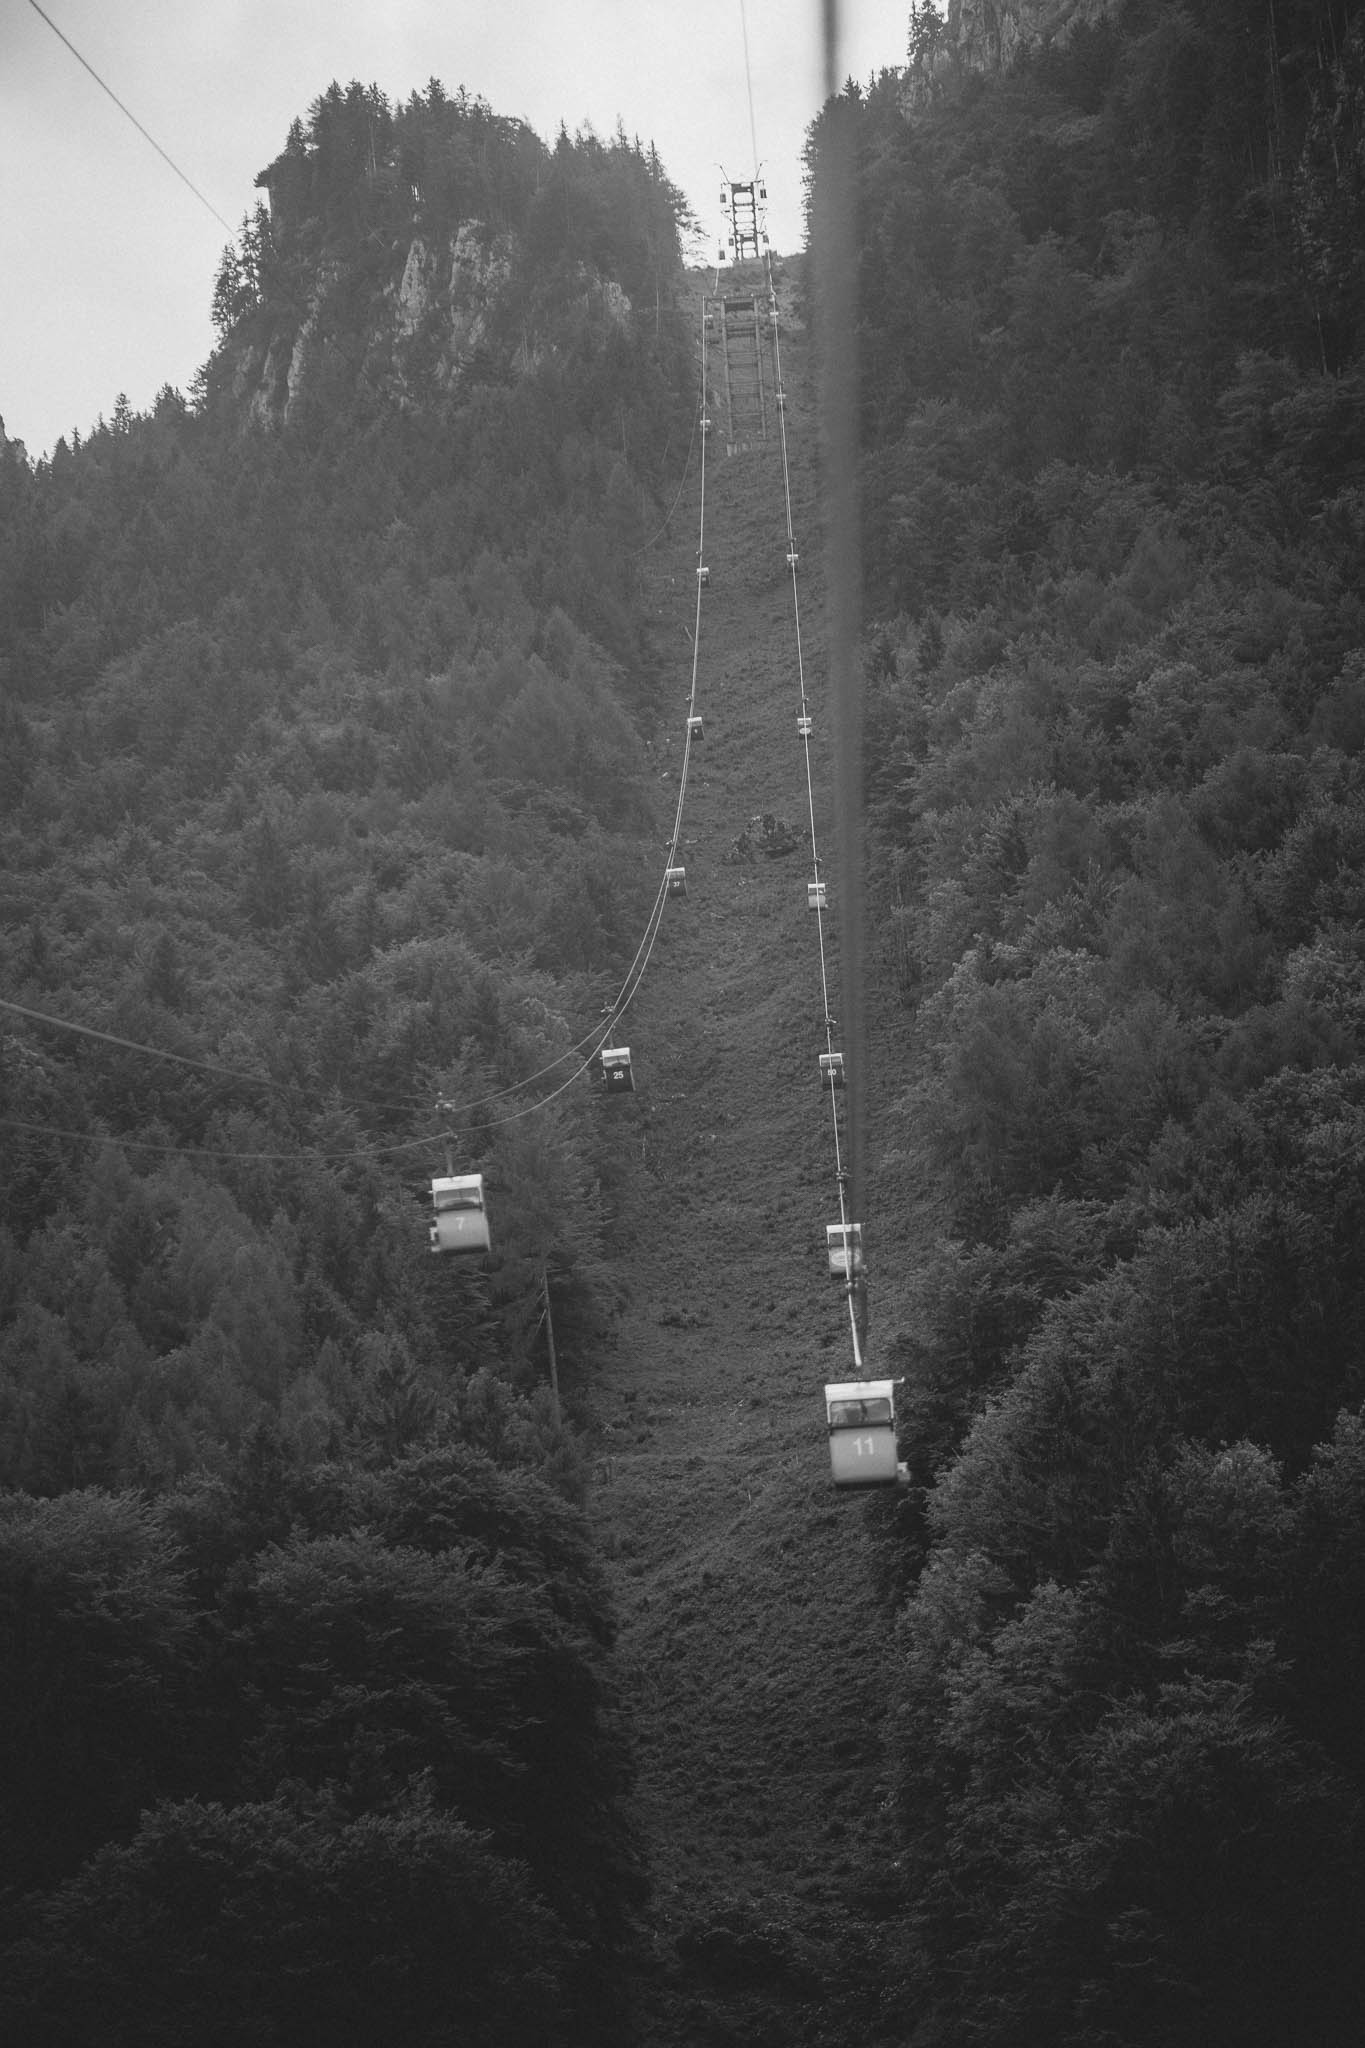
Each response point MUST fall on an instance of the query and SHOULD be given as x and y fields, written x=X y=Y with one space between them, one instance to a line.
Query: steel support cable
x=302 y=1152
x=294 y=1158
x=287 y=1088
x=634 y=977
x=749 y=84
x=600 y=1036
x=592 y=1040
x=696 y=621
x=234 y=1074
x=635 y=973
x=696 y=624
x=595 y=1039
x=849 y=1184
x=840 y=1176
x=834 y=256
x=682 y=485
x=793 y=564
x=143 y=132
x=179 y=1059
x=782 y=419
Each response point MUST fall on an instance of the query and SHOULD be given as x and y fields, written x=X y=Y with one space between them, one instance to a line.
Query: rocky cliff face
x=437 y=316
x=442 y=303
x=405 y=251
x=990 y=33
x=454 y=284
x=987 y=36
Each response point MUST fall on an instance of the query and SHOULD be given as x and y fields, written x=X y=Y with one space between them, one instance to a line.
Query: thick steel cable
x=600 y=1035
x=834 y=255
x=749 y=85
x=636 y=972
x=287 y=1088
x=305 y=1152
x=848 y=1183
x=682 y=485
x=827 y=1083
x=297 y=1157
x=143 y=132
x=179 y=1059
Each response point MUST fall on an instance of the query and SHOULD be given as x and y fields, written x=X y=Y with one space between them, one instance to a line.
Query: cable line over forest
x=860 y=1413
x=131 y=116
x=748 y=332
x=354 y=1594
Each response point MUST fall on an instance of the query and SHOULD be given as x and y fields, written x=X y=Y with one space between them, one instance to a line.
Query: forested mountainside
x=323 y=773
x=1113 y=359
x=327 y=700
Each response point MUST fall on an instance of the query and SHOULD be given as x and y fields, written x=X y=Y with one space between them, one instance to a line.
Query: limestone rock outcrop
x=988 y=35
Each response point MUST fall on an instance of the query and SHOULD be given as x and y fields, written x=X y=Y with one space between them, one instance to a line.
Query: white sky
x=107 y=261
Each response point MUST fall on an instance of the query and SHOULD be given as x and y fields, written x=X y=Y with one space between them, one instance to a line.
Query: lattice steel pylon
x=739 y=369
x=748 y=236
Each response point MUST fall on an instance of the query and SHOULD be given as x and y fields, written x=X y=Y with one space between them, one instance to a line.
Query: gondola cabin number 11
x=861 y=1415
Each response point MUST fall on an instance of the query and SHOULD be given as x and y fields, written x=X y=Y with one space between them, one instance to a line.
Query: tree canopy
x=325 y=697
x=1113 y=364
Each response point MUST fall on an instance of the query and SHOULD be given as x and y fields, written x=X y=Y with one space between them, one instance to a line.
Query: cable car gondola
x=695 y=729
x=861 y=1419
x=676 y=878
x=617 y=1078
x=815 y=896
x=831 y=1070
x=461 y=1224
x=844 y=1249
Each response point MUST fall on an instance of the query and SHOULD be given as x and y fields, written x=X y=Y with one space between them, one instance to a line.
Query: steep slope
x=752 y=1636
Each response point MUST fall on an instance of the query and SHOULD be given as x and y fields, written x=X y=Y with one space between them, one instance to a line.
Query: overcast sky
x=107 y=260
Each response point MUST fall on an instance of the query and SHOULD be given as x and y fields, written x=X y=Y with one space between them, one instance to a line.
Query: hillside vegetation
x=323 y=701
x=351 y=1688
x=1114 y=416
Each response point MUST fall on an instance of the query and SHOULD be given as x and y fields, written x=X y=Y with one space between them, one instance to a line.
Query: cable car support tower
x=737 y=343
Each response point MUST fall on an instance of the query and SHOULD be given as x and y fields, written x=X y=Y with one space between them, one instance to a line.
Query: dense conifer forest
x=328 y=701
x=323 y=772
x=1113 y=329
